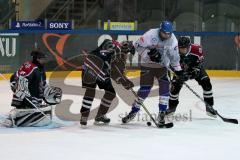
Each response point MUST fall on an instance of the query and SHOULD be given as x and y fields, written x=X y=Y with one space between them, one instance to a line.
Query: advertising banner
x=9 y=55
x=28 y=25
x=65 y=49
x=55 y=25
x=126 y=26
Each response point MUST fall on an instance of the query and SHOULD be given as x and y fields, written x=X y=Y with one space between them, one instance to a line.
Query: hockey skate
x=170 y=112
x=210 y=111
x=102 y=120
x=161 y=118
x=83 y=121
x=129 y=117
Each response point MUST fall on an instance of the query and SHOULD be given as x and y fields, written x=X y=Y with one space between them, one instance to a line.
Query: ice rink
x=194 y=136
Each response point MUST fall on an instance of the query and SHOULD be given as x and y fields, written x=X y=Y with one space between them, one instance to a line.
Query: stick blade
x=167 y=125
x=228 y=120
x=234 y=121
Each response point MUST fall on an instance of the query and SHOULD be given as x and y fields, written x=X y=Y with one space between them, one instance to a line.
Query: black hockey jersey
x=193 y=59
x=101 y=65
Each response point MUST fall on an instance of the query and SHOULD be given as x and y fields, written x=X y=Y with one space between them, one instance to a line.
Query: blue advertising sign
x=31 y=25
x=59 y=25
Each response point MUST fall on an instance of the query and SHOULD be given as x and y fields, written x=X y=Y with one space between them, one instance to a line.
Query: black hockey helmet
x=108 y=45
x=184 y=42
x=127 y=46
x=38 y=54
x=38 y=58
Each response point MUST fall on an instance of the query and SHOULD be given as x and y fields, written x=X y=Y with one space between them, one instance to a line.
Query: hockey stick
x=146 y=110
x=38 y=109
x=228 y=120
x=167 y=125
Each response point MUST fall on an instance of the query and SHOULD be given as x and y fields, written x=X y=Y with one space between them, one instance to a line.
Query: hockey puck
x=149 y=123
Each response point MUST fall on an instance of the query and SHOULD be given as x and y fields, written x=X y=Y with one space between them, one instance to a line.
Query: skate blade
x=83 y=126
x=125 y=122
x=166 y=125
x=211 y=115
x=100 y=123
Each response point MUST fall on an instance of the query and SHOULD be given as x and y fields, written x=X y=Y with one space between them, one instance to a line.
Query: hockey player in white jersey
x=158 y=48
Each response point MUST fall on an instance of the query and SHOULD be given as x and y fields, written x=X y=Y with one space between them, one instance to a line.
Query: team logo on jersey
x=200 y=50
x=27 y=65
x=154 y=40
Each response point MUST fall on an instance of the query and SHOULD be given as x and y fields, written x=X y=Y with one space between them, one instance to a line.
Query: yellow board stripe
x=223 y=73
x=130 y=73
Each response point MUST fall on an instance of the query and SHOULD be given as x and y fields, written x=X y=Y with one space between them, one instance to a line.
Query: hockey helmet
x=38 y=55
x=108 y=45
x=166 y=27
x=127 y=46
x=184 y=42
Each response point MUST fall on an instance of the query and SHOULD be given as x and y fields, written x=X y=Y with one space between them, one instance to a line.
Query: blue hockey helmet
x=166 y=27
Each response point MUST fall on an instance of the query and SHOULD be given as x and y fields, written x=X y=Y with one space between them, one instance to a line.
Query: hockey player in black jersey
x=29 y=88
x=105 y=62
x=192 y=64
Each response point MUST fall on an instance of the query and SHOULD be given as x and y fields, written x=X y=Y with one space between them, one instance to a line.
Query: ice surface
x=198 y=137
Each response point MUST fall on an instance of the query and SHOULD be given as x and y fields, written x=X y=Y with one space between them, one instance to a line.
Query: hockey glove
x=154 y=55
x=20 y=94
x=22 y=88
x=181 y=76
x=107 y=80
x=194 y=73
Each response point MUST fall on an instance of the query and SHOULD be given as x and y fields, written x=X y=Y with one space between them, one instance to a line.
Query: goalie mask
x=52 y=95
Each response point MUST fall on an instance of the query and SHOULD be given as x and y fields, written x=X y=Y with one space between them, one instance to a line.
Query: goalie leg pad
x=30 y=117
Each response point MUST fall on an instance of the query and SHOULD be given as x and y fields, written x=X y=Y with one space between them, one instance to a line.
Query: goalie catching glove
x=52 y=95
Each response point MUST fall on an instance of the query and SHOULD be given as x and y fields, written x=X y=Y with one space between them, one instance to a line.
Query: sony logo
x=59 y=25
